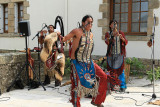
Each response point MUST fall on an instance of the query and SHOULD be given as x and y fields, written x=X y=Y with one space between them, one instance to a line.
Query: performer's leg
x=75 y=100
x=57 y=82
x=123 y=81
x=102 y=89
x=47 y=79
x=58 y=77
x=59 y=70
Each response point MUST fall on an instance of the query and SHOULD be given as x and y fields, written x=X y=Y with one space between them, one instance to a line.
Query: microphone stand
x=153 y=62
x=39 y=62
x=37 y=35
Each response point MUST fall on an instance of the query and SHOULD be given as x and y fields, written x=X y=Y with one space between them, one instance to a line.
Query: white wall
x=72 y=11
x=79 y=8
x=15 y=43
x=140 y=49
x=43 y=11
x=157 y=34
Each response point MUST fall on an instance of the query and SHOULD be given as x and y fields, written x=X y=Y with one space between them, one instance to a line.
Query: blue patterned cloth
x=86 y=73
x=123 y=81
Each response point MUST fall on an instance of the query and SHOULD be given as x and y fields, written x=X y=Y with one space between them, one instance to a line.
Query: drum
x=115 y=61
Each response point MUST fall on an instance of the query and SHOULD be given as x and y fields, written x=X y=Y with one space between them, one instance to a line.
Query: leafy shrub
x=150 y=74
x=136 y=67
x=128 y=61
x=67 y=69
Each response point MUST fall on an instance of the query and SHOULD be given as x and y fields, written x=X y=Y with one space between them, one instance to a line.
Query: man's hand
x=58 y=33
x=115 y=32
x=60 y=37
x=121 y=37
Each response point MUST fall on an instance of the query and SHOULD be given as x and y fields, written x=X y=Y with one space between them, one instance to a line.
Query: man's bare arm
x=70 y=35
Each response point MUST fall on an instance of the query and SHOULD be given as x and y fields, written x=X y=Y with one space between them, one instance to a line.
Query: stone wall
x=148 y=63
x=13 y=63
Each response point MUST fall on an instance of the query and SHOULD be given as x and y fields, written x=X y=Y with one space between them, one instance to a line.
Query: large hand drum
x=115 y=61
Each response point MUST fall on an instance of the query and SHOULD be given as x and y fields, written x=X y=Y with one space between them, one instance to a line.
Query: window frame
x=4 y=17
x=129 y=32
x=19 y=11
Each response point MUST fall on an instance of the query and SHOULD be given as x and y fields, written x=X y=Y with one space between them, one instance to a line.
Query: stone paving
x=59 y=97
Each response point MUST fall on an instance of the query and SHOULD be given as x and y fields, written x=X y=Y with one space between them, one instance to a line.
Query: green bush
x=104 y=65
x=150 y=74
x=136 y=67
x=128 y=61
x=67 y=69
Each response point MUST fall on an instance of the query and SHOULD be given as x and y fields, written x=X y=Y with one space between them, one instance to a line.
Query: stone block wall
x=104 y=22
x=13 y=63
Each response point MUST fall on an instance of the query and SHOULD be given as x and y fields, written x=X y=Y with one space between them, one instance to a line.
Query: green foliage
x=67 y=69
x=128 y=61
x=150 y=74
x=104 y=65
x=137 y=64
x=136 y=67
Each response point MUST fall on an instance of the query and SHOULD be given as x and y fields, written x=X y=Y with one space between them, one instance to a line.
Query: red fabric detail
x=102 y=85
x=51 y=60
x=74 y=101
x=113 y=79
x=102 y=79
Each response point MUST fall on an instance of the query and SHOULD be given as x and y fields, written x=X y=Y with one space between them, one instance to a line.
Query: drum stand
x=27 y=72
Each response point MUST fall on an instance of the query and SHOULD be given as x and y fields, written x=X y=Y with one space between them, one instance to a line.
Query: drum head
x=115 y=61
x=58 y=27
